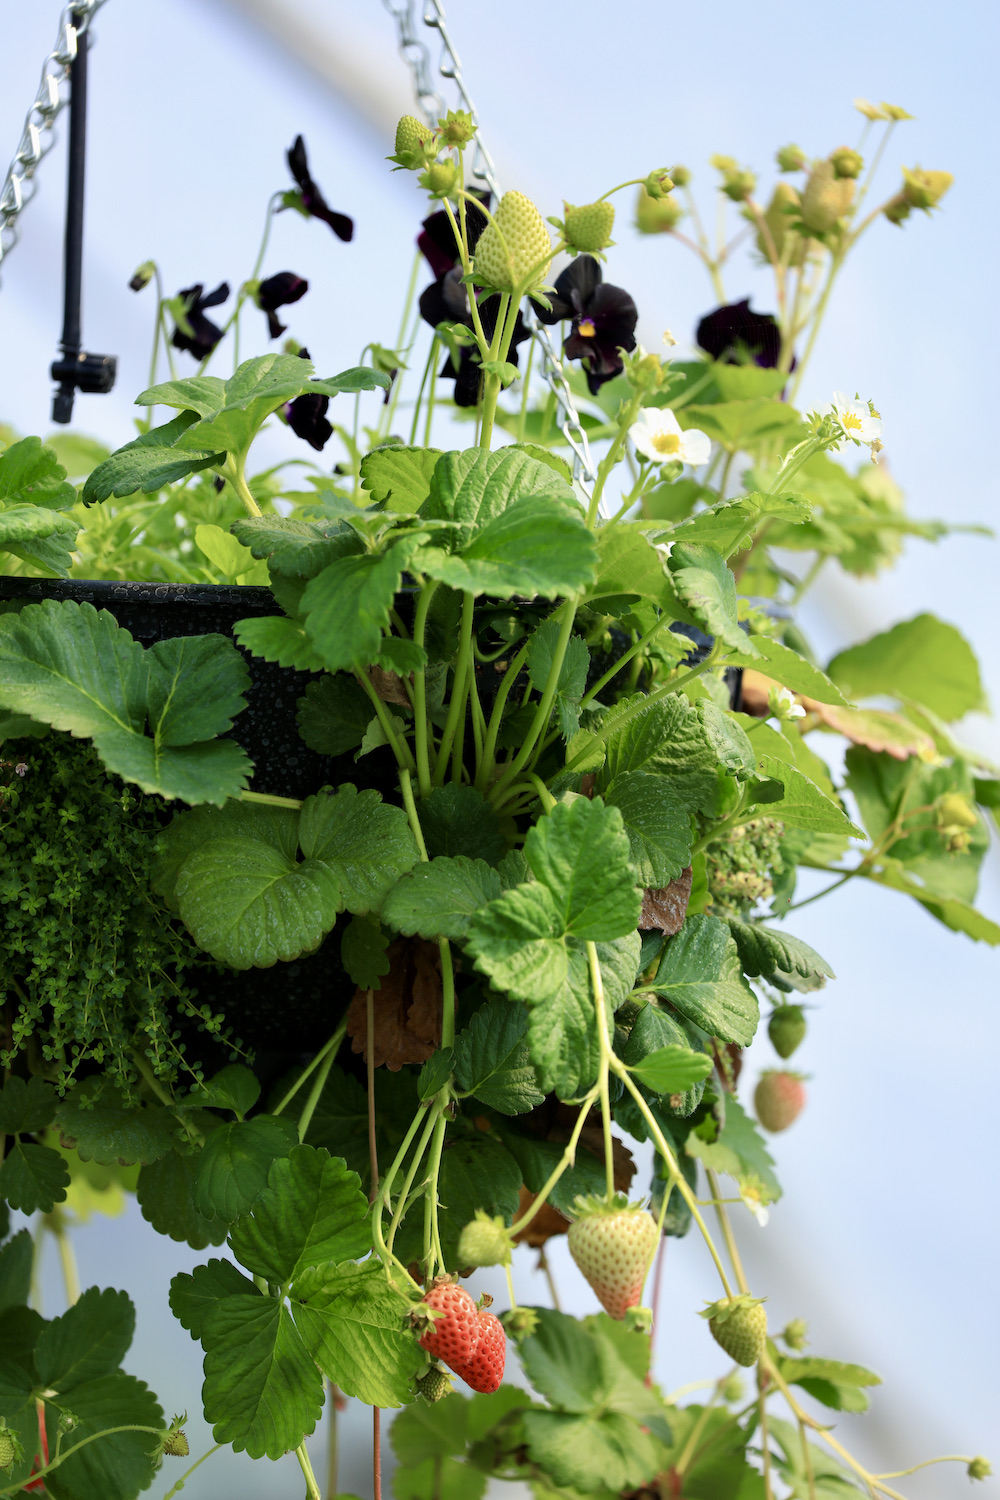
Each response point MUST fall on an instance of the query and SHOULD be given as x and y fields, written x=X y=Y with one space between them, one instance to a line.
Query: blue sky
x=890 y=1176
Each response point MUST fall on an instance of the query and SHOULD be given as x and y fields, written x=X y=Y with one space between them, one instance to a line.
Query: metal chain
x=417 y=54
x=38 y=136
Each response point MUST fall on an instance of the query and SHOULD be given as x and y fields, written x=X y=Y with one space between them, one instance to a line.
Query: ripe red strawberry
x=484 y=1371
x=739 y=1325
x=613 y=1244
x=779 y=1099
x=451 y=1338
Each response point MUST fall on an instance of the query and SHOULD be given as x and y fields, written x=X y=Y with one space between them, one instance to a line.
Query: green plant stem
x=448 y=994
x=807 y=1458
x=431 y=360
x=764 y=1439
x=406 y=787
x=400 y=749
x=798 y=905
x=836 y=261
x=688 y=1451
x=623 y=660
x=459 y=690
x=383 y=1251
x=312 y=1488
x=668 y=1156
x=319 y=1084
x=945 y=1458
x=496 y=718
x=404 y=1192
x=567 y=1160
x=175 y=1489
x=150 y=1079
x=370 y=1064
x=232 y=470
x=56 y=1223
x=389 y=411
x=269 y=799
x=420 y=725
x=331 y=1452
x=597 y=986
x=873 y=1481
x=673 y=686
x=241 y=295
x=329 y=1048
x=499 y=347
x=612 y=456
x=522 y=417
x=540 y=722
x=727 y=1231
x=432 y=1241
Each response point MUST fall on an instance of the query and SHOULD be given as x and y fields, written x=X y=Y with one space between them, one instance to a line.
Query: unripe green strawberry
x=175 y=1444
x=589 y=227
x=613 y=1244
x=514 y=248
x=779 y=1099
x=411 y=134
x=979 y=1467
x=484 y=1370
x=440 y=179
x=8 y=1449
x=484 y=1242
x=656 y=215
x=435 y=1385
x=739 y=1325
x=825 y=198
x=786 y=1028
x=794 y=1334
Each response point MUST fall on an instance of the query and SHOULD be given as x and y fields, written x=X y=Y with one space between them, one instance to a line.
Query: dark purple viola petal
x=280 y=290
x=274 y=328
x=613 y=312
x=436 y=240
x=205 y=334
x=735 y=332
x=312 y=199
x=307 y=418
x=445 y=301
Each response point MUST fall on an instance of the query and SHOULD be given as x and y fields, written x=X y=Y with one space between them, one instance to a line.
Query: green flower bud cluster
x=846 y=163
x=100 y=964
x=742 y=866
x=791 y=159
x=659 y=182
x=737 y=182
x=419 y=145
x=921 y=189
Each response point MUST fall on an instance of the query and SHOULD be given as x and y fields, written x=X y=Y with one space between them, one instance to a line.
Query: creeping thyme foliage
x=91 y=965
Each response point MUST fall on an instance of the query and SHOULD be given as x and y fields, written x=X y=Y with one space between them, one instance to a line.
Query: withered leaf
x=407 y=1009
x=666 y=907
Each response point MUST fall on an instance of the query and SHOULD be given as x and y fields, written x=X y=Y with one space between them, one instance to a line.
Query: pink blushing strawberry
x=484 y=1371
x=779 y=1099
x=613 y=1244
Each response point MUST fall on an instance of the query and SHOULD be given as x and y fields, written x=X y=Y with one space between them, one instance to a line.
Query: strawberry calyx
x=730 y=1307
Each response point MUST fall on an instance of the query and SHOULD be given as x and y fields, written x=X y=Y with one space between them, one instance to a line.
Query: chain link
x=417 y=54
x=38 y=136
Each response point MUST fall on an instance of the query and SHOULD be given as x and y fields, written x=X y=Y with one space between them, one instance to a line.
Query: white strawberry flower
x=659 y=435
x=751 y=1195
x=859 y=420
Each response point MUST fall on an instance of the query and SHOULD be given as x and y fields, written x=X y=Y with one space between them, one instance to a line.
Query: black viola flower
x=204 y=334
x=736 y=335
x=313 y=202
x=603 y=319
x=446 y=301
x=276 y=291
x=306 y=416
x=436 y=240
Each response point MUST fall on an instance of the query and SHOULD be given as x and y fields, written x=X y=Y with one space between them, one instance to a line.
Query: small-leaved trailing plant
x=570 y=791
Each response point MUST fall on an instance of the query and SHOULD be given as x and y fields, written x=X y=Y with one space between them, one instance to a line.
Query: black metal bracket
x=77 y=370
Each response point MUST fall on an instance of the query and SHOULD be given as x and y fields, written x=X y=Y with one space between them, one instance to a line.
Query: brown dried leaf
x=754 y=688
x=666 y=908
x=388 y=686
x=407 y=1009
x=875 y=728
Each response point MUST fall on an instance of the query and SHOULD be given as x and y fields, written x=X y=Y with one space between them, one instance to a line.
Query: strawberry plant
x=569 y=731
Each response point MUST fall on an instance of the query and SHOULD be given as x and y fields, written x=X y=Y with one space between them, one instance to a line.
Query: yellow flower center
x=586 y=328
x=850 y=421
x=666 y=443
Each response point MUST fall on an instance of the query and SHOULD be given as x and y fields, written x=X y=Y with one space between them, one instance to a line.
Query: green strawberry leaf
x=17 y=1408
x=150 y=462
x=607 y=1448
x=658 y=825
x=786 y=666
x=673 y=1069
x=16 y=1261
x=33 y=1177
x=72 y=667
x=296 y=549
x=399 y=477
x=492 y=1060
x=572 y=681
x=31 y=475
x=346 y=606
x=803 y=804
x=115 y=1467
x=262 y=1391
x=537 y=546
x=362 y=952
x=707 y=587
x=278 y=639
x=628 y=566
x=473 y=487
x=441 y=898
x=311 y=1212
x=836 y=1385
x=537 y=1159
x=700 y=975
x=192 y=1296
x=351 y=1321
x=766 y=951
x=922 y=658
x=657 y=1029
x=458 y=820
x=234 y=1164
x=26 y=1106
x=739 y=1150
x=666 y=738
x=334 y=714
x=101 y=1128
x=235 y=1088
x=165 y=1195
x=87 y=1342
